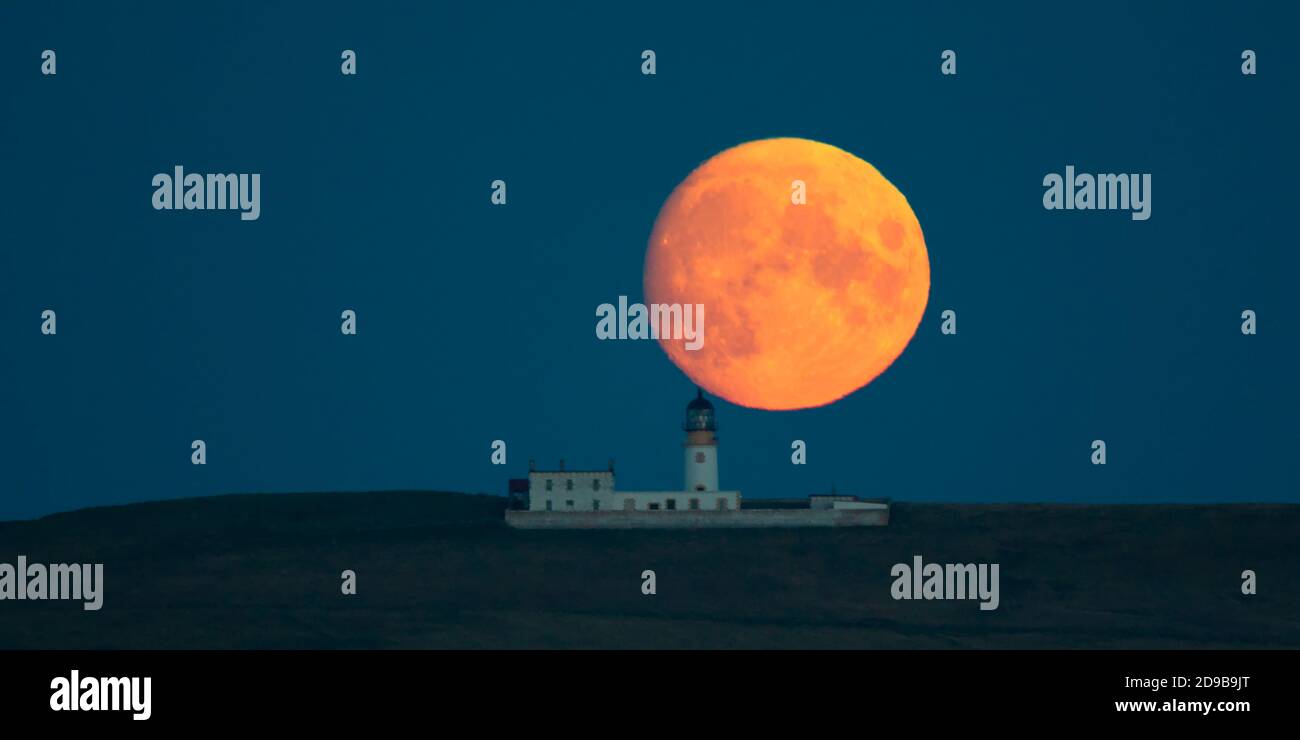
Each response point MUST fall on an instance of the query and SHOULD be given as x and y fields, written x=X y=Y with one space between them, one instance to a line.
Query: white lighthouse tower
x=701 y=446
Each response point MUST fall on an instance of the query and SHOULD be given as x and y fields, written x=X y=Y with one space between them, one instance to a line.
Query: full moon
x=810 y=265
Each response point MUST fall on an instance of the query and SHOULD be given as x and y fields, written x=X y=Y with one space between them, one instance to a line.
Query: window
x=699 y=487
x=595 y=484
x=568 y=484
x=722 y=504
x=672 y=503
x=595 y=505
x=568 y=504
x=654 y=507
x=695 y=504
x=629 y=504
x=548 y=484
x=549 y=507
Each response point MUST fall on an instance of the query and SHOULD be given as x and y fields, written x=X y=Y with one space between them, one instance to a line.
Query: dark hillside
x=440 y=570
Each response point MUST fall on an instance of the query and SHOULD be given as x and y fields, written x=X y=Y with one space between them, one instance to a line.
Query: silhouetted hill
x=439 y=570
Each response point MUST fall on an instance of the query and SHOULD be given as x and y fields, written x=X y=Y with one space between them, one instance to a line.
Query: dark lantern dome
x=699 y=414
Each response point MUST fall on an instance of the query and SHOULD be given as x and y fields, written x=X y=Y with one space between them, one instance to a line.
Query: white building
x=594 y=490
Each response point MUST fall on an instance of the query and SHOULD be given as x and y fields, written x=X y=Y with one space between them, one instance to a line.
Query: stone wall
x=696 y=519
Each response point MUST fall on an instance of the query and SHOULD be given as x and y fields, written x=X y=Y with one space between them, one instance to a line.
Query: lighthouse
x=564 y=498
x=701 y=445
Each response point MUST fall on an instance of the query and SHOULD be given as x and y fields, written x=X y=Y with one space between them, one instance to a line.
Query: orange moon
x=803 y=303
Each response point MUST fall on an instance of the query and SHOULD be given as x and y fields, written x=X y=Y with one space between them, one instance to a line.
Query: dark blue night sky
x=477 y=322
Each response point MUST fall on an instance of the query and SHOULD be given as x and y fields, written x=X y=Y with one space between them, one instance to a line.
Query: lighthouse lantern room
x=701 y=445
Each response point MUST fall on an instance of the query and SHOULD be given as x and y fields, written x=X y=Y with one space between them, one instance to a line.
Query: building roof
x=532 y=468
